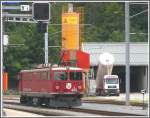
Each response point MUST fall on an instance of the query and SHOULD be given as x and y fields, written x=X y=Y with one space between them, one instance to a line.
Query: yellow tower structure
x=72 y=27
x=70 y=30
x=72 y=37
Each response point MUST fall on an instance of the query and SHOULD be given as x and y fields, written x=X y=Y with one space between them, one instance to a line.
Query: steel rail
x=44 y=110
x=89 y=101
x=65 y=110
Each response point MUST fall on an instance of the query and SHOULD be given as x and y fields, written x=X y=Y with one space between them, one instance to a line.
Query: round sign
x=68 y=85
x=106 y=59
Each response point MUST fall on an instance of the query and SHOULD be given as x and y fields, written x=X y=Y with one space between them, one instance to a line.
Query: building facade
x=138 y=62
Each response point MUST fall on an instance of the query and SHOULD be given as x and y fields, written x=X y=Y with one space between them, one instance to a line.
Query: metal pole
x=1 y=62
x=70 y=7
x=127 y=40
x=46 y=44
x=143 y=102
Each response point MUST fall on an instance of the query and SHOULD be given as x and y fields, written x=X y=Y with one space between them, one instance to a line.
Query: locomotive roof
x=54 y=68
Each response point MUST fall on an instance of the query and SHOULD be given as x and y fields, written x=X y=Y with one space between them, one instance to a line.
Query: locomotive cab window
x=75 y=75
x=60 y=75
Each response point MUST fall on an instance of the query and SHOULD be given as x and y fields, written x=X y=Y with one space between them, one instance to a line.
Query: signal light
x=41 y=11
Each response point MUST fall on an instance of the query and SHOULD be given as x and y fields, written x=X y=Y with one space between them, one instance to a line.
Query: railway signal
x=5 y=40
x=41 y=11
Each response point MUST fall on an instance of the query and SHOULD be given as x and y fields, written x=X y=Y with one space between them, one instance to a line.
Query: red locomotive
x=54 y=87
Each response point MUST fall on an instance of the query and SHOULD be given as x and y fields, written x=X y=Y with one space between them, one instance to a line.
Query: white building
x=138 y=61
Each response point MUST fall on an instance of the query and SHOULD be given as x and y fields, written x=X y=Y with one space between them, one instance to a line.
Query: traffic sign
x=5 y=40
x=25 y=7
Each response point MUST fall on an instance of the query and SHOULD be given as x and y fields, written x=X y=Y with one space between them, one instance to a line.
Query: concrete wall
x=138 y=77
x=138 y=52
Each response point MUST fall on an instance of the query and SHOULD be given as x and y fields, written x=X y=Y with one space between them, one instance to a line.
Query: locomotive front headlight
x=57 y=87
x=79 y=87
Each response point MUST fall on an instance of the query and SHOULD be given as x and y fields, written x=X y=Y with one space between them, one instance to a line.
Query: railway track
x=93 y=101
x=76 y=111
x=43 y=110
x=113 y=102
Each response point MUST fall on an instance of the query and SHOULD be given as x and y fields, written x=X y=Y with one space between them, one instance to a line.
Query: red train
x=54 y=87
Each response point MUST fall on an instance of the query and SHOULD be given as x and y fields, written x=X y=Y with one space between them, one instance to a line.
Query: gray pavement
x=134 y=97
x=15 y=113
x=135 y=110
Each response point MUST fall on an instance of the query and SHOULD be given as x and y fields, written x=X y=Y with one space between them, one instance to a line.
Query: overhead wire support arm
x=139 y=13
x=138 y=3
x=11 y=8
x=54 y=46
x=17 y=15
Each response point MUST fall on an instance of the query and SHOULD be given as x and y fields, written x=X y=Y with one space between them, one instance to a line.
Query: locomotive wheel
x=36 y=101
x=51 y=103
x=22 y=99
x=117 y=94
x=29 y=101
x=69 y=107
x=55 y=103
